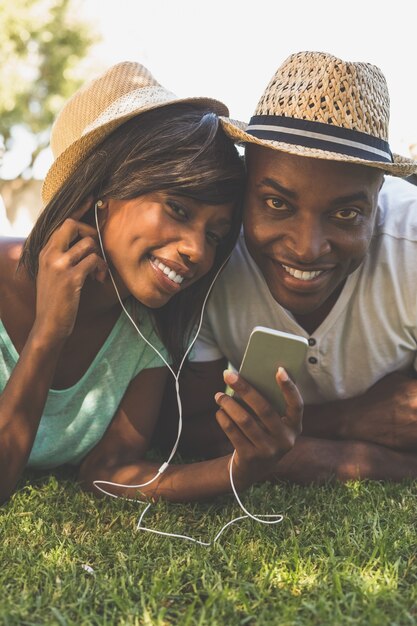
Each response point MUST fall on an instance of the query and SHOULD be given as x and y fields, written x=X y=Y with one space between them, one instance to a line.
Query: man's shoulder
x=397 y=209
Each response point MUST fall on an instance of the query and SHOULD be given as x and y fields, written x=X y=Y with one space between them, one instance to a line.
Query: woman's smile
x=168 y=278
x=168 y=270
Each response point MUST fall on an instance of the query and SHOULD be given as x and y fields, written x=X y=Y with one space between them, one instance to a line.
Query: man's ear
x=382 y=181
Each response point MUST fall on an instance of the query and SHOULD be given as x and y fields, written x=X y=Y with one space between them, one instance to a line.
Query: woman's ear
x=100 y=211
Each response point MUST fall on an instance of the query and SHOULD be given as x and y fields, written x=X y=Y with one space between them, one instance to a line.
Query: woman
x=149 y=184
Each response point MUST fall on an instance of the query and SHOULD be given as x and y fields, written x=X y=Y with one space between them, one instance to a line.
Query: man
x=329 y=252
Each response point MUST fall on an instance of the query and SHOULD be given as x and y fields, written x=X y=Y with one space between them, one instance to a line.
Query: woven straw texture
x=94 y=111
x=318 y=87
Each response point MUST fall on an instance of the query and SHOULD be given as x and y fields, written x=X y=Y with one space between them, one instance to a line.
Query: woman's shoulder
x=10 y=250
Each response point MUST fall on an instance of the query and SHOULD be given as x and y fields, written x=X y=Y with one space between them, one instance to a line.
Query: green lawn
x=344 y=554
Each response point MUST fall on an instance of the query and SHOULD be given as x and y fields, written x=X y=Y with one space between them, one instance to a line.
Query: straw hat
x=317 y=105
x=122 y=92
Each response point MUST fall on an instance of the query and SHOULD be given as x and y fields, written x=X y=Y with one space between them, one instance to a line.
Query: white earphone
x=275 y=518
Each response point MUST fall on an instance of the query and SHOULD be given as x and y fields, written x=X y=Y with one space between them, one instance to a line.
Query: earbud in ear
x=99 y=204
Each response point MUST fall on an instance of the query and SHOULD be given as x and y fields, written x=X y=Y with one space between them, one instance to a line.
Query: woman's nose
x=193 y=246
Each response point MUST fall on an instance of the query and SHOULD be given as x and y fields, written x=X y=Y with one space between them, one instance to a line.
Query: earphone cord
x=275 y=518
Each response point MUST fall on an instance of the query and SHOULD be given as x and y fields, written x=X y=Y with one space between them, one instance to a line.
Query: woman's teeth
x=176 y=278
x=302 y=275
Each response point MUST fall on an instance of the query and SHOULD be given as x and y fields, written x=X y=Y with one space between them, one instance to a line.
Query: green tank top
x=75 y=419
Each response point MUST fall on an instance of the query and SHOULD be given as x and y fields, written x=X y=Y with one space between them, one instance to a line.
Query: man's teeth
x=302 y=275
x=176 y=278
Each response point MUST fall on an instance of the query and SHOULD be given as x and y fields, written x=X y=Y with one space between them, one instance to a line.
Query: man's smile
x=302 y=274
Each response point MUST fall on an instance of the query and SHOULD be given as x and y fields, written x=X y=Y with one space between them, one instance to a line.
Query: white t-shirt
x=371 y=330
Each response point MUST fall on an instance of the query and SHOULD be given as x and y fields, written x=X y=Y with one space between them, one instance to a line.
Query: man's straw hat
x=319 y=106
x=122 y=92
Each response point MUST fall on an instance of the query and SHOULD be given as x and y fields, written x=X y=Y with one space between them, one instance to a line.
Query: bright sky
x=229 y=49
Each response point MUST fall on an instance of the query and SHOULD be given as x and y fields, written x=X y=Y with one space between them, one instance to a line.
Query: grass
x=344 y=554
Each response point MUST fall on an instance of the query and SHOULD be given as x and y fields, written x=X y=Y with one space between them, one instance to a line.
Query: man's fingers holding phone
x=293 y=401
x=262 y=408
x=259 y=434
x=257 y=419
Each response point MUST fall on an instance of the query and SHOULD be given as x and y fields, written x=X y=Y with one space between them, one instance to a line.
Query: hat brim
x=236 y=130
x=68 y=161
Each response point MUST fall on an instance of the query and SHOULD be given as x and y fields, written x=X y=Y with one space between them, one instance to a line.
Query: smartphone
x=267 y=350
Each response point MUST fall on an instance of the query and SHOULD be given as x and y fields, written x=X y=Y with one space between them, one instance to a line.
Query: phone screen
x=267 y=350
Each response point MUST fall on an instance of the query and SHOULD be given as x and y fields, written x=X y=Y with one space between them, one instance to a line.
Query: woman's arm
x=63 y=269
x=119 y=456
x=21 y=406
x=259 y=435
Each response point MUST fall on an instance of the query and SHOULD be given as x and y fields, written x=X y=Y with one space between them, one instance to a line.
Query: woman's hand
x=70 y=255
x=258 y=433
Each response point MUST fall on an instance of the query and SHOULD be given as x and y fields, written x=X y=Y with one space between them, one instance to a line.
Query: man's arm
x=324 y=451
x=314 y=460
x=386 y=414
x=373 y=436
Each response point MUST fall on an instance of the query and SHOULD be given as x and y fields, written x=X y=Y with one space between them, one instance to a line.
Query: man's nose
x=308 y=241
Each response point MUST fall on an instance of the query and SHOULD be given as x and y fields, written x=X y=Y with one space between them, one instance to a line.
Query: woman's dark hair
x=181 y=148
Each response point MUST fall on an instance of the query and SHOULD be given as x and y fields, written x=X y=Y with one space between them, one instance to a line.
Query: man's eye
x=348 y=215
x=276 y=203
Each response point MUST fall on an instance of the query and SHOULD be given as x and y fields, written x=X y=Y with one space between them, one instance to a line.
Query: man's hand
x=258 y=433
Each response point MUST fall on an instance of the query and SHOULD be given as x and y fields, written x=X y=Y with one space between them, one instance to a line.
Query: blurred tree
x=41 y=45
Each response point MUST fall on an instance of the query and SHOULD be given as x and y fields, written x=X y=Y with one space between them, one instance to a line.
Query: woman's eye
x=276 y=203
x=347 y=215
x=177 y=209
x=214 y=238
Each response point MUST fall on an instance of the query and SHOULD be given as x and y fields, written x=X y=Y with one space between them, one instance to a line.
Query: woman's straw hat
x=122 y=92
x=319 y=106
